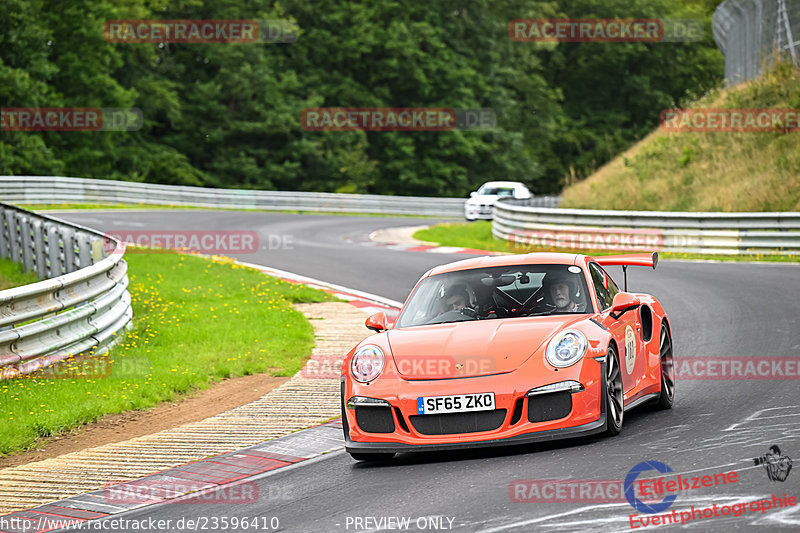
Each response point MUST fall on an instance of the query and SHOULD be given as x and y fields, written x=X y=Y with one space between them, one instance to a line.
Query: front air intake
x=375 y=419
x=550 y=406
x=453 y=423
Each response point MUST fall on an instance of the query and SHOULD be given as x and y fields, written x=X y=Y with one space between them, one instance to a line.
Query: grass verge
x=478 y=235
x=196 y=321
x=11 y=275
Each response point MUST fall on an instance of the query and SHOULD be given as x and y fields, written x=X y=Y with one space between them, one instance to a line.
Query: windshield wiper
x=542 y=313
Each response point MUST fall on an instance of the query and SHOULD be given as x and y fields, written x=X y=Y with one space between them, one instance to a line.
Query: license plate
x=459 y=403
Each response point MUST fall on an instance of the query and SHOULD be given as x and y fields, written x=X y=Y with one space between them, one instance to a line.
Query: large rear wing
x=639 y=260
x=626 y=260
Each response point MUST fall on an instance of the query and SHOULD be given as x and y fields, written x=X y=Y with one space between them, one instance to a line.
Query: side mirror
x=473 y=193
x=623 y=302
x=376 y=322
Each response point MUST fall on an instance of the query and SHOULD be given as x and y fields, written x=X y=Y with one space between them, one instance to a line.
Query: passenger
x=564 y=291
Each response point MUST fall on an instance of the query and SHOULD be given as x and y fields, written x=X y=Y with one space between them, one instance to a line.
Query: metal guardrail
x=44 y=189
x=753 y=33
x=716 y=233
x=536 y=201
x=81 y=306
x=58 y=190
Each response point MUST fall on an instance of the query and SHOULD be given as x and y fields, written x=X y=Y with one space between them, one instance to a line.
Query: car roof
x=503 y=184
x=535 y=258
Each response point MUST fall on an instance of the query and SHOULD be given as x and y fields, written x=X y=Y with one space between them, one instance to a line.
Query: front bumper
x=475 y=211
x=586 y=417
x=590 y=428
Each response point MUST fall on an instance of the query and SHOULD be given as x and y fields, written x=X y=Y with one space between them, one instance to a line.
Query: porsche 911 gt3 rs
x=506 y=350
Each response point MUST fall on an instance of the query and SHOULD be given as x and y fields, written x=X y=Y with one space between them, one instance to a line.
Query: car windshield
x=498 y=191
x=497 y=293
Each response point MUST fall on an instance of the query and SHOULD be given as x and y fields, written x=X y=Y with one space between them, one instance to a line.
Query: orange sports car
x=507 y=350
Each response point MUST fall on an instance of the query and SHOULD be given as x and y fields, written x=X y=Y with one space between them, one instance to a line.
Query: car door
x=625 y=329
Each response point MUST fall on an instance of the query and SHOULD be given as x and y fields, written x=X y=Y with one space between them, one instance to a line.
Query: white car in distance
x=480 y=203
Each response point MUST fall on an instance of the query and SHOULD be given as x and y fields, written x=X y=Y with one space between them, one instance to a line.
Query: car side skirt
x=642 y=399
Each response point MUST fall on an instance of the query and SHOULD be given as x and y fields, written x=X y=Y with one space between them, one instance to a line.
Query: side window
x=612 y=287
x=604 y=296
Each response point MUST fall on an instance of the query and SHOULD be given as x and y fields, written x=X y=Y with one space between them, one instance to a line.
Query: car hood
x=471 y=348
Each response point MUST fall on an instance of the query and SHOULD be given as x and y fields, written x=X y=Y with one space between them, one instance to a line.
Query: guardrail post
x=99 y=249
x=55 y=266
x=84 y=249
x=39 y=258
x=68 y=238
x=13 y=237
x=5 y=251
x=26 y=243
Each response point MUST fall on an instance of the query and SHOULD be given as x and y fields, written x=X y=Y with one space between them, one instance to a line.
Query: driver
x=563 y=290
x=456 y=298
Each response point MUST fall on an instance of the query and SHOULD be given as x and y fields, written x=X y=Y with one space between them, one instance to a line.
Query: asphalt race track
x=716 y=309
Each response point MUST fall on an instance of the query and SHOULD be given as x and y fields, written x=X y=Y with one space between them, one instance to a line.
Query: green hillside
x=666 y=171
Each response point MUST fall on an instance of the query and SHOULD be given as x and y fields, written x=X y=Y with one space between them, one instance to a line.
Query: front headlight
x=367 y=363
x=566 y=348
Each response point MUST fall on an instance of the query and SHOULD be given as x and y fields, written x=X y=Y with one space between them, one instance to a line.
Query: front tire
x=667 y=397
x=372 y=457
x=615 y=412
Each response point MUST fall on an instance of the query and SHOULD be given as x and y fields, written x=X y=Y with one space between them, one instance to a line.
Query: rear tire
x=667 y=397
x=372 y=457
x=615 y=411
